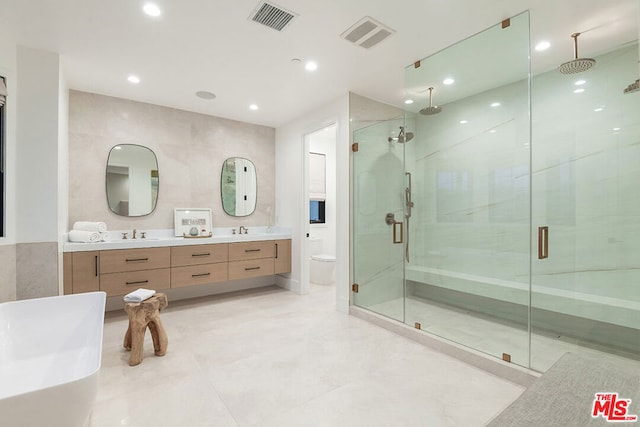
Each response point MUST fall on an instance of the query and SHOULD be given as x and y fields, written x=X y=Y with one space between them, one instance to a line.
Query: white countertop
x=163 y=238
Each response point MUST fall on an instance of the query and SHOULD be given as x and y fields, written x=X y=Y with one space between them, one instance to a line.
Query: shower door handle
x=543 y=242
x=390 y=219
x=398 y=237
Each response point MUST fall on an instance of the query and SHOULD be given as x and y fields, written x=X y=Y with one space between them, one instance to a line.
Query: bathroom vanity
x=120 y=267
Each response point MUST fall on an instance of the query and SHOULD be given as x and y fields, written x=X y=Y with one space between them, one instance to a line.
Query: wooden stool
x=142 y=315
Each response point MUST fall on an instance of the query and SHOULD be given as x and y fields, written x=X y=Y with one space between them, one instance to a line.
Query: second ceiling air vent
x=367 y=32
x=271 y=15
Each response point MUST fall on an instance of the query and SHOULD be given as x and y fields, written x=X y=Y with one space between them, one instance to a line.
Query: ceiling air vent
x=271 y=15
x=367 y=32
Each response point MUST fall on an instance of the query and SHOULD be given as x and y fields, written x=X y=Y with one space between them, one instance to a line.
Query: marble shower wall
x=190 y=148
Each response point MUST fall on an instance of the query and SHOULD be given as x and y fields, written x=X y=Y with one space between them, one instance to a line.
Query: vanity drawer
x=251 y=250
x=251 y=268
x=123 y=283
x=121 y=260
x=199 y=254
x=198 y=274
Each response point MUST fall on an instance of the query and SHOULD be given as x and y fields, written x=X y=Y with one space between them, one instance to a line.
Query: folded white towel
x=83 y=236
x=139 y=295
x=100 y=227
x=104 y=236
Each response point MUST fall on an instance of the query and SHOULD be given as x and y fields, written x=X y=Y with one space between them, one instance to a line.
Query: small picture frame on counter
x=192 y=222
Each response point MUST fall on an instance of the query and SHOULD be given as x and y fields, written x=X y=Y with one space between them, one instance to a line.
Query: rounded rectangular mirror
x=238 y=186
x=132 y=180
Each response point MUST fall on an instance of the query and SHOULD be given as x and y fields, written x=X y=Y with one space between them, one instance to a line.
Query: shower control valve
x=390 y=219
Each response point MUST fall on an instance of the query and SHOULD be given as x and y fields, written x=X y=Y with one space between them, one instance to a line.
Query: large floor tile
x=271 y=357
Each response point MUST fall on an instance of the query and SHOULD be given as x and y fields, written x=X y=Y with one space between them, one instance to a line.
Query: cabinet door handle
x=137 y=259
x=206 y=254
x=96 y=265
x=251 y=268
x=252 y=250
x=543 y=242
x=139 y=282
x=276 y=251
x=201 y=275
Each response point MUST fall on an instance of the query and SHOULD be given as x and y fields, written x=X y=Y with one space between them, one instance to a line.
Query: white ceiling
x=212 y=45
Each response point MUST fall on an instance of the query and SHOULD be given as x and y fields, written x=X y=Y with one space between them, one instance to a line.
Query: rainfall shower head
x=576 y=65
x=402 y=136
x=431 y=109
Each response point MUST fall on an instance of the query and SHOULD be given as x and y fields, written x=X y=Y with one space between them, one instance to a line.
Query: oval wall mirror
x=132 y=180
x=238 y=186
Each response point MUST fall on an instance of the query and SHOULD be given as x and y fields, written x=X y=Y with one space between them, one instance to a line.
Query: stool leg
x=137 y=340
x=159 y=336
x=127 y=339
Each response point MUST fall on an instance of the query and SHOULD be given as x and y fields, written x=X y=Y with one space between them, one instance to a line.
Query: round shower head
x=402 y=136
x=576 y=65
x=431 y=109
x=406 y=137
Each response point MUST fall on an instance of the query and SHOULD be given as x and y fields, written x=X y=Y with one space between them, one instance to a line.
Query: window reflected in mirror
x=238 y=186
x=132 y=180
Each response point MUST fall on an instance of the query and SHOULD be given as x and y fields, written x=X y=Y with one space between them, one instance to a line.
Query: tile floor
x=269 y=357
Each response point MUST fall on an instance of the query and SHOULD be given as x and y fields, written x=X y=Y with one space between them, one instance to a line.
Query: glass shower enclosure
x=508 y=218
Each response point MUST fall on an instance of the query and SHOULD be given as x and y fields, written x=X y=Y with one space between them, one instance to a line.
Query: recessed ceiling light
x=495 y=104
x=408 y=101
x=310 y=66
x=579 y=90
x=253 y=107
x=543 y=45
x=463 y=122
x=597 y=110
x=448 y=81
x=133 y=79
x=204 y=94
x=152 y=10
x=580 y=82
x=296 y=60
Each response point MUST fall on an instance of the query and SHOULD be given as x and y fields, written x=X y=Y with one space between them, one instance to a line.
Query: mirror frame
x=255 y=202
x=153 y=208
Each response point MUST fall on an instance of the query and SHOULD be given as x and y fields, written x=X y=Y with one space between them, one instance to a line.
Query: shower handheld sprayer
x=409 y=204
x=407 y=195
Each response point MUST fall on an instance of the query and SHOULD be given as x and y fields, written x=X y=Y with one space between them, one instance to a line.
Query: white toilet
x=322 y=267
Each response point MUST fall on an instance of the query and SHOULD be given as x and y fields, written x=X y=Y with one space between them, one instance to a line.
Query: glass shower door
x=586 y=209
x=378 y=222
x=468 y=275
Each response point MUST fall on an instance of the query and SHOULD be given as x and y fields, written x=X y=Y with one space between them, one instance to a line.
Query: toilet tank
x=315 y=246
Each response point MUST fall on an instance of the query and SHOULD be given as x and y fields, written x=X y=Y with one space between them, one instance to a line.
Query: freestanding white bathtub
x=50 y=354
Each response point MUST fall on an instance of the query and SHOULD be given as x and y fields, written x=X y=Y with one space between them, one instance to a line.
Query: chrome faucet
x=242 y=227
x=134 y=233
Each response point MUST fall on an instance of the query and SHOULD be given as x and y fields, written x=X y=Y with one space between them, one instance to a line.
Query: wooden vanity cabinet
x=125 y=270
x=199 y=264
x=120 y=271
x=81 y=272
x=251 y=259
x=121 y=260
x=282 y=257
